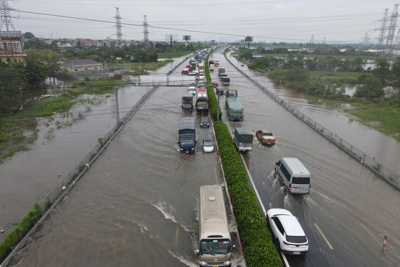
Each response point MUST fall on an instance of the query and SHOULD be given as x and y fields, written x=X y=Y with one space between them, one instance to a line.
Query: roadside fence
x=384 y=172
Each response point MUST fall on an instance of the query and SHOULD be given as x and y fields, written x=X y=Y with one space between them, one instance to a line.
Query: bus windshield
x=215 y=246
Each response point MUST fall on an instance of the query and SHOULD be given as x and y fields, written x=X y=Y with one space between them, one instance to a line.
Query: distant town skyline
x=336 y=21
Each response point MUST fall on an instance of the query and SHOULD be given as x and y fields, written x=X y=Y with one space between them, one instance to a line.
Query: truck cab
x=243 y=139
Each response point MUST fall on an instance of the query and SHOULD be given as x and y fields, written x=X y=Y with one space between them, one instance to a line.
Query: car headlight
x=203 y=263
x=193 y=148
x=227 y=263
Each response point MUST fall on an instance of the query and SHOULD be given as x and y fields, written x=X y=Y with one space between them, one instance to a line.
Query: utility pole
x=146 y=33
x=5 y=16
x=118 y=27
x=382 y=31
x=365 y=40
x=392 y=26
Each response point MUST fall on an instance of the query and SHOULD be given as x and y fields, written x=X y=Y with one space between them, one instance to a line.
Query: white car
x=192 y=90
x=208 y=145
x=287 y=232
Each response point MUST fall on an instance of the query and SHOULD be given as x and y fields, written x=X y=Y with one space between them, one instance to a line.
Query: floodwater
x=348 y=203
x=385 y=149
x=137 y=204
x=62 y=143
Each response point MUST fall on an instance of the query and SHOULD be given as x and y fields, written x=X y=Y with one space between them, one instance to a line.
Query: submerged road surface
x=138 y=204
x=348 y=207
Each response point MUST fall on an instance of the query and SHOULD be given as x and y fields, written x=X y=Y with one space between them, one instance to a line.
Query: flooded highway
x=348 y=204
x=137 y=204
x=385 y=149
x=63 y=141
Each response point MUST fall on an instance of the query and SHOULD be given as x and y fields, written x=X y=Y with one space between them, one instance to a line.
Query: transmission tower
x=146 y=33
x=382 y=31
x=118 y=26
x=365 y=40
x=5 y=16
x=392 y=26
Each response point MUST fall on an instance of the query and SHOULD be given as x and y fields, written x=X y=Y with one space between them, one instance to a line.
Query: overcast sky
x=221 y=20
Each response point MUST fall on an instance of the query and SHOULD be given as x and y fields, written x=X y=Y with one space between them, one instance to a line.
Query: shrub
x=16 y=235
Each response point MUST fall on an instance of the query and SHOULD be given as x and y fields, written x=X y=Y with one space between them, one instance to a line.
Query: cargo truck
x=225 y=81
x=187 y=135
x=234 y=108
x=220 y=71
x=202 y=105
x=211 y=68
x=243 y=139
x=187 y=102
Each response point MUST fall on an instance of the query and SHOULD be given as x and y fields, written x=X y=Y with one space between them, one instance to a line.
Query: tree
x=141 y=56
x=371 y=90
x=298 y=79
x=246 y=54
x=382 y=69
x=35 y=72
x=28 y=35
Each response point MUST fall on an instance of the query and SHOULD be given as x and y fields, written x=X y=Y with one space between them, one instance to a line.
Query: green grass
x=173 y=54
x=383 y=119
x=142 y=68
x=19 y=131
x=334 y=74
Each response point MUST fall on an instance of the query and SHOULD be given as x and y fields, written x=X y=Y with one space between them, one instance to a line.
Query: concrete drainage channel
x=68 y=182
x=384 y=172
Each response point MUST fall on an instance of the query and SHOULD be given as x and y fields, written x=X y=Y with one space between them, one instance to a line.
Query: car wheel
x=268 y=225
x=277 y=246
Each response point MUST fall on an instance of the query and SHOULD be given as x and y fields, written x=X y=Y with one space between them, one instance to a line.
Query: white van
x=215 y=247
x=294 y=175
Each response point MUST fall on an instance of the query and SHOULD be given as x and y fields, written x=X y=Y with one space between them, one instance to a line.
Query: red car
x=215 y=83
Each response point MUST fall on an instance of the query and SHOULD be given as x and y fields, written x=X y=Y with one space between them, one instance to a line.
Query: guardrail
x=68 y=182
x=384 y=172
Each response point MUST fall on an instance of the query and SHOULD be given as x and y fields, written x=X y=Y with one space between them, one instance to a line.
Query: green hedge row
x=212 y=99
x=19 y=232
x=258 y=248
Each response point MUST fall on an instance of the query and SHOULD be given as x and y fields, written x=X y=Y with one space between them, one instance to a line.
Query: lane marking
x=285 y=259
x=323 y=236
x=258 y=196
x=373 y=237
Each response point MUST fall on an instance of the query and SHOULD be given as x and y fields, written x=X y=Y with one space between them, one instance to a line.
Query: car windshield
x=215 y=246
x=208 y=142
x=267 y=134
x=185 y=142
x=204 y=119
x=296 y=239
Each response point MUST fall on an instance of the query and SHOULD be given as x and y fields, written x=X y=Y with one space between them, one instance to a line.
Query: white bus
x=215 y=247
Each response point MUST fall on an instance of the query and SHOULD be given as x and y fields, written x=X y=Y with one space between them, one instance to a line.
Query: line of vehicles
x=187 y=127
x=288 y=235
x=215 y=243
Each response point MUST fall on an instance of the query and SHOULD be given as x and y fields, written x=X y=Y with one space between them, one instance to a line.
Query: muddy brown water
x=137 y=205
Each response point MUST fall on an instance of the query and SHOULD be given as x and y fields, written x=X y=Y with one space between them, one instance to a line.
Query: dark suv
x=204 y=122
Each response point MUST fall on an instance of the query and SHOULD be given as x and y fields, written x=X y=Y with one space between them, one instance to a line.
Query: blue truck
x=187 y=135
x=187 y=102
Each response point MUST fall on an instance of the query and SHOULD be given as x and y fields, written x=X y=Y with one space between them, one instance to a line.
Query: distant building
x=11 y=46
x=81 y=65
